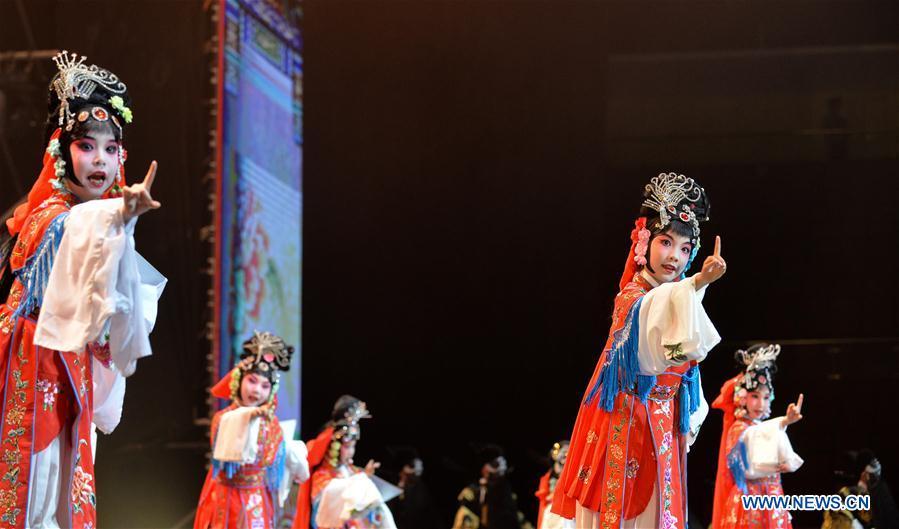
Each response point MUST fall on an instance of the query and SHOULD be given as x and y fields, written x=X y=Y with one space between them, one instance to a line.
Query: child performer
x=644 y=404
x=548 y=482
x=77 y=303
x=753 y=453
x=342 y=495
x=252 y=464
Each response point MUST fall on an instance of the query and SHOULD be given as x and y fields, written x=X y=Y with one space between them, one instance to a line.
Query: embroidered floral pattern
x=11 y=457
x=632 y=467
x=615 y=465
x=661 y=393
x=584 y=475
x=8 y=504
x=668 y=521
x=591 y=436
x=82 y=492
x=15 y=414
x=254 y=506
x=50 y=390
x=82 y=368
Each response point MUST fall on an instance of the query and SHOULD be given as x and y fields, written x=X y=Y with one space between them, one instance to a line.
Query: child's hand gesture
x=794 y=412
x=371 y=466
x=137 y=198
x=713 y=267
x=261 y=410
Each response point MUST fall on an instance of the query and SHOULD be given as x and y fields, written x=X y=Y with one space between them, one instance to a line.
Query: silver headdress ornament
x=762 y=358
x=668 y=191
x=759 y=361
x=347 y=429
x=77 y=80
x=357 y=412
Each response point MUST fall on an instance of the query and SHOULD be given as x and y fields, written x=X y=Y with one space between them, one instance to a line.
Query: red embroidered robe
x=43 y=391
x=616 y=457
x=247 y=499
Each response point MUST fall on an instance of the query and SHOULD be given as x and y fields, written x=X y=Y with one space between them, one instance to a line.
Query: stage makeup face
x=668 y=256
x=347 y=451
x=254 y=389
x=95 y=159
x=758 y=403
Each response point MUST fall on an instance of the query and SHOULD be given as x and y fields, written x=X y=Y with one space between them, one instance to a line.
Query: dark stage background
x=472 y=174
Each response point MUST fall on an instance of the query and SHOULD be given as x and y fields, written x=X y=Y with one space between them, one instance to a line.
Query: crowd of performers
x=79 y=303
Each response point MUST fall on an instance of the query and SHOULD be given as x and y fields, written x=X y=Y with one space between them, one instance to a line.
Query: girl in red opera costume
x=252 y=464
x=754 y=452
x=77 y=303
x=545 y=518
x=341 y=495
x=626 y=466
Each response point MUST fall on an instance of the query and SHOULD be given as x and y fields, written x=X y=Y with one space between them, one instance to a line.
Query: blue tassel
x=275 y=472
x=738 y=463
x=622 y=368
x=35 y=275
x=689 y=397
x=645 y=384
x=229 y=467
x=684 y=415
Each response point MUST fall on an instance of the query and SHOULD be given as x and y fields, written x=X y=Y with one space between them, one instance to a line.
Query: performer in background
x=644 y=404
x=754 y=451
x=78 y=303
x=490 y=503
x=859 y=472
x=548 y=482
x=345 y=406
x=252 y=464
x=342 y=495
x=414 y=508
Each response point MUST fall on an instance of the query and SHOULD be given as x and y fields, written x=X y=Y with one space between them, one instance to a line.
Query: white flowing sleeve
x=109 y=397
x=674 y=327
x=344 y=498
x=99 y=278
x=296 y=466
x=236 y=438
x=767 y=447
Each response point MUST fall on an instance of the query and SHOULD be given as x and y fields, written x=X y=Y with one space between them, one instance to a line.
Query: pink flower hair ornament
x=640 y=237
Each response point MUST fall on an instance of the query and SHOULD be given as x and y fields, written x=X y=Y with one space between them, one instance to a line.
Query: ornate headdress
x=265 y=354
x=76 y=80
x=672 y=196
x=759 y=361
x=347 y=429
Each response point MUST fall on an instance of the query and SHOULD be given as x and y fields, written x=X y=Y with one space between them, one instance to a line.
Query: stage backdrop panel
x=259 y=224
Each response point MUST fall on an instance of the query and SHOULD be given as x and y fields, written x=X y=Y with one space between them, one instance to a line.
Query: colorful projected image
x=260 y=195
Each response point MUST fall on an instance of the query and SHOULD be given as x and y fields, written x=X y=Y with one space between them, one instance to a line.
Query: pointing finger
x=151 y=175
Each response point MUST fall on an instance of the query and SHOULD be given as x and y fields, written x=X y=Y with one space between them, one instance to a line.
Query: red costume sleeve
x=542 y=495
x=316 y=448
x=723 y=479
